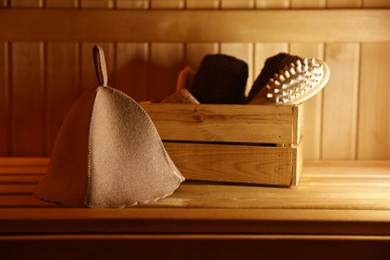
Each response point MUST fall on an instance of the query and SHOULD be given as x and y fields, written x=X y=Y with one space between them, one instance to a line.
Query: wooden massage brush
x=297 y=82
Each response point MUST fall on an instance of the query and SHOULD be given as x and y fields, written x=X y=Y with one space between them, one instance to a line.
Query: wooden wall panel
x=166 y=60
x=344 y=3
x=97 y=3
x=242 y=51
x=312 y=123
x=26 y=4
x=376 y=3
x=203 y=4
x=308 y=3
x=340 y=114
x=335 y=128
x=28 y=94
x=196 y=51
x=62 y=85
x=238 y=4
x=166 y=63
x=62 y=78
x=28 y=99
x=167 y=4
x=132 y=60
x=340 y=102
x=374 y=105
x=133 y=4
x=88 y=75
x=268 y=4
x=132 y=69
x=61 y=3
x=5 y=134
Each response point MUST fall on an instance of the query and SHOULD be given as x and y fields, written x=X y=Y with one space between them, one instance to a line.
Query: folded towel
x=220 y=79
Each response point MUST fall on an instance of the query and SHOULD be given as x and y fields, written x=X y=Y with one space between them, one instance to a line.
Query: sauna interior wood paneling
x=39 y=80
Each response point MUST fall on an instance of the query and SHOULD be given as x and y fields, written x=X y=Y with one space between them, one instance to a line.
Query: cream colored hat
x=108 y=153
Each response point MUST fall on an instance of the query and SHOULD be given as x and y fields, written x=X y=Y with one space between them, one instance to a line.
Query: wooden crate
x=258 y=144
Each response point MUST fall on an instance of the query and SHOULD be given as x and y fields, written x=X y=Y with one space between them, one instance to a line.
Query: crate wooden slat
x=258 y=144
x=233 y=163
x=226 y=123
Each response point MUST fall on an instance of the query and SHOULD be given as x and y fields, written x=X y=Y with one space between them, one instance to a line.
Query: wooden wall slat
x=166 y=59
x=374 y=106
x=132 y=69
x=167 y=4
x=132 y=61
x=242 y=51
x=5 y=111
x=62 y=85
x=238 y=4
x=376 y=3
x=340 y=102
x=196 y=51
x=260 y=4
x=308 y=3
x=24 y=3
x=62 y=78
x=206 y=4
x=178 y=26
x=3 y=3
x=165 y=65
x=61 y=3
x=28 y=94
x=133 y=4
x=97 y=3
x=344 y=3
x=312 y=124
x=28 y=99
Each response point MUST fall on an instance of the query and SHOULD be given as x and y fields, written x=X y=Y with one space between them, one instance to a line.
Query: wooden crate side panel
x=223 y=123
x=297 y=162
x=233 y=163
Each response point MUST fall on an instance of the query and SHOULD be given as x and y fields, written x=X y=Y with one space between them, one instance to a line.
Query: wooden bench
x=340 y=209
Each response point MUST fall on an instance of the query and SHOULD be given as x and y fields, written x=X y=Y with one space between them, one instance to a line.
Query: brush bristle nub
x=297 y=82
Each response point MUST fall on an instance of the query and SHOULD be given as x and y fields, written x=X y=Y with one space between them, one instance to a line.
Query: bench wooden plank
x=165 y=220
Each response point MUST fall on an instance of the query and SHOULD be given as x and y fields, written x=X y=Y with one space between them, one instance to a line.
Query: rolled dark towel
x=220 y=79
x=272 y=65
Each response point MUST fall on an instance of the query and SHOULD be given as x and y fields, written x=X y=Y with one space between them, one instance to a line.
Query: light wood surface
x=374 y=117
x=340 y=207
x=226 y=123
x=178 y=26
x=234 y=163
x=330 y=193
x=132 y=63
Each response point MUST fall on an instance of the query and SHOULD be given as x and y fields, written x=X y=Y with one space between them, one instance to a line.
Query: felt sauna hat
x=108 y=153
